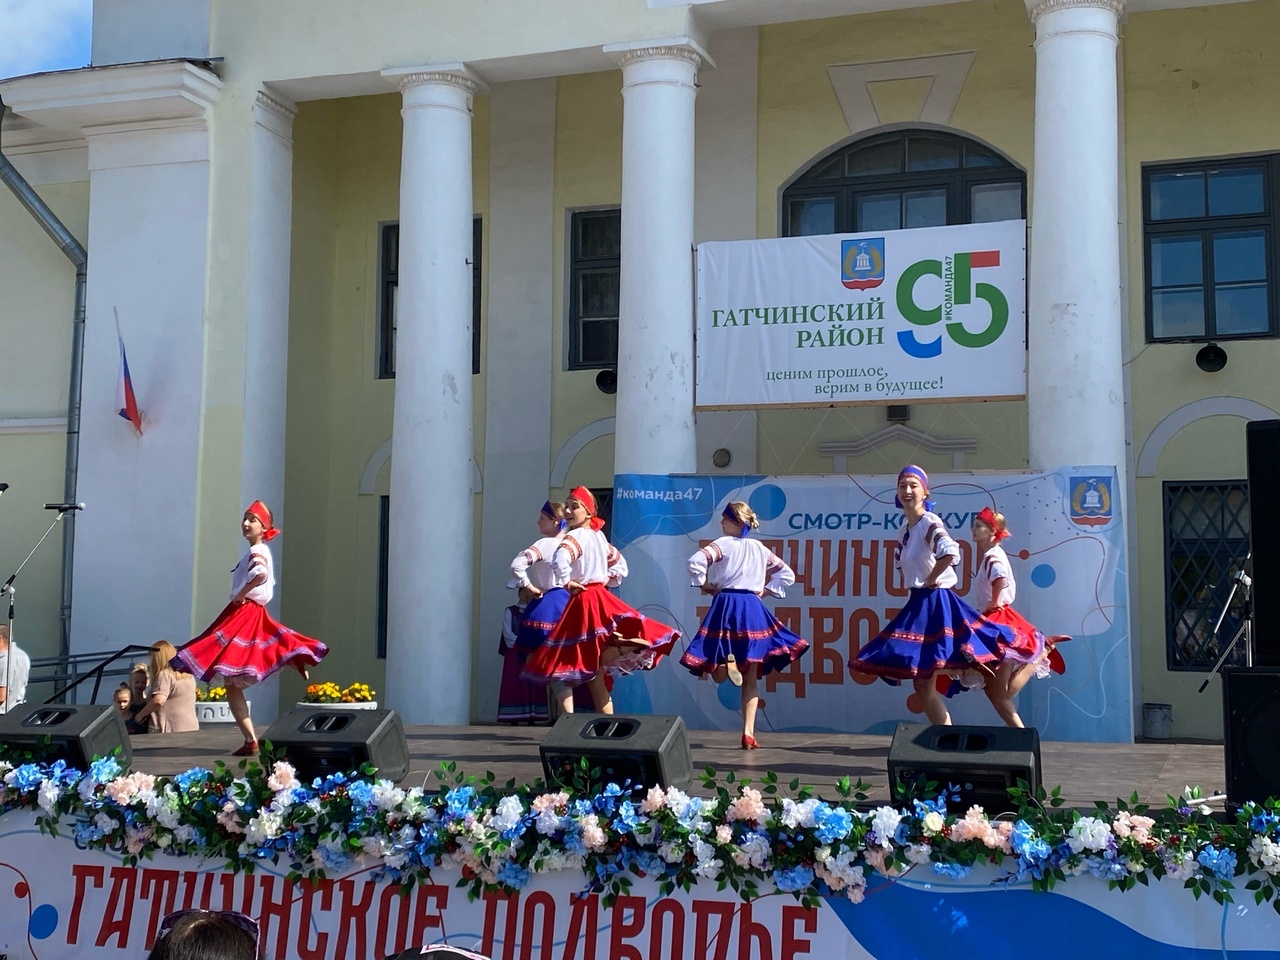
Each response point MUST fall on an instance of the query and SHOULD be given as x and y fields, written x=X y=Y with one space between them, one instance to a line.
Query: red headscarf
x=987 y=516
x=585 y=497
x=259 y=511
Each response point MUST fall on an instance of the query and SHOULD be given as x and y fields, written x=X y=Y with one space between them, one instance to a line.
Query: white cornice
x=275 y=113
x=101 y=96
x=665 y=48
x=452 y=74
x=1038 y=8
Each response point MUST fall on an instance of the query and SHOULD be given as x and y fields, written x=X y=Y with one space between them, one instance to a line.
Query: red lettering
x=118 y=916
x=750 y=932
x=703 y=940
x=794 y=674
x=81 y=872
x=309 y=891
x=864 y=567
x=964 y=572
x=667 y=907
x=793 y=945
x=160 y=887
x=510 y=902
x=584 y=921
x=423 y=917
x=892 y=578
x=802 y=570
x=833 y=580
x=397 y=894
x=828 y=626
x=352 y=916
x=274 y=915
x=538 y=902
x=622 y=930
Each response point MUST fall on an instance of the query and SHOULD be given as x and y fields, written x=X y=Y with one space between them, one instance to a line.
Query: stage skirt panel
x=572 y=652
x=245 y=646
x=540 y=618
x=936 y=632
x=739 y=623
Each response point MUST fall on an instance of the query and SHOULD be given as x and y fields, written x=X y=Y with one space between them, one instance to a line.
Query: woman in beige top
x=171 y=707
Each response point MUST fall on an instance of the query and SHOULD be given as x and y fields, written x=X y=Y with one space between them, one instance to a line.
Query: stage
x=1086 y=771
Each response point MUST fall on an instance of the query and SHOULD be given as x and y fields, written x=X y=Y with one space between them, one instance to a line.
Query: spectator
x=123 y=699
x=171 y=708
x=138 y=680
x=14 y=673
x=206 y=935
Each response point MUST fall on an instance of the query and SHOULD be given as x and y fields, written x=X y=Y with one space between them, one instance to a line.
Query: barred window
x=1206 y=535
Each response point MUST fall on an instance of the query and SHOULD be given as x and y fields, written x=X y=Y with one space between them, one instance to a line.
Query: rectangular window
x=595 y=267
x=604 y=507
x=1210 y=247
x=1206 y=536
x=389 y=270
x=384 y=550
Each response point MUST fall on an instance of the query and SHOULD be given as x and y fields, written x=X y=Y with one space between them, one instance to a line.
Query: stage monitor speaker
x=320 y=741
x=1263 y=443
x=647 y=751
x=1250 y=721
x=984 y=762
x=77 y=733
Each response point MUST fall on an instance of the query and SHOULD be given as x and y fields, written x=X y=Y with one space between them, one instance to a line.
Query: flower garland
x=744 y=836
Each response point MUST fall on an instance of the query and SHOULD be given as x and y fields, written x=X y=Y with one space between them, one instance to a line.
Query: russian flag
x=124 y=395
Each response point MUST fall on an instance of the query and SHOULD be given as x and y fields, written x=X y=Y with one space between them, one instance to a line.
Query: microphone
x=64 y=507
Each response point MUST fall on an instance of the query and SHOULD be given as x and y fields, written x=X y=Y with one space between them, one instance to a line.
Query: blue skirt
x=540 y=618
x=935 y=632
x=738 y=623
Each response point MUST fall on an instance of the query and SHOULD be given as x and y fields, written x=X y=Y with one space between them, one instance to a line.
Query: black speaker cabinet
x=984 y=762
x=1262 y=439
x=320 y=741
x=77 y=733
x=647 y=751
x=1251 y=718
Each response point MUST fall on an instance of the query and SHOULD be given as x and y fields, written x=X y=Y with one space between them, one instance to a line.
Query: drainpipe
x=79 y=258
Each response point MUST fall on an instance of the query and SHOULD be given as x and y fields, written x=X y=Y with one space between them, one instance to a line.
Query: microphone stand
x=1241 y=581
x=7 y=587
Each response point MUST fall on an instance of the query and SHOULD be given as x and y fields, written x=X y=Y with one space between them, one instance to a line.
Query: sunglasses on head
x=241 y=920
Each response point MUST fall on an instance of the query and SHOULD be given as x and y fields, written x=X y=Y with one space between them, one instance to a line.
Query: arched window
x=916 y=178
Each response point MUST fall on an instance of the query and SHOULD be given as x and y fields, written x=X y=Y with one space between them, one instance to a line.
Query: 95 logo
x=958 y=290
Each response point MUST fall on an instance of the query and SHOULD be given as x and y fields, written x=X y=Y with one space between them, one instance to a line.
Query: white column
x=655 y=428
x=1075 y=390
x=520 y=350
x=431 y=547
x=266 y=356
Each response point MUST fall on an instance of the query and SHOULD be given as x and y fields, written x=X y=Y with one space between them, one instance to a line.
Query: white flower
x=884 y=824
x=265 y=826
x=164 y=840
x=508 y=814
x=932 y=824
x=671 y=851
x=106 y=824
x=184 y=833
x=1181 y=866
x=677 y=802
x=1264 y=853
x=548 y=822
x=799 y=814
x=753 y=852
x=1089 y=833
x=387 y=796
x=918 y=852
x=49 y=795
x=724 y=833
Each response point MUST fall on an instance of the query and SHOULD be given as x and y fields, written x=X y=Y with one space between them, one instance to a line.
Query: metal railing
x=66 y=674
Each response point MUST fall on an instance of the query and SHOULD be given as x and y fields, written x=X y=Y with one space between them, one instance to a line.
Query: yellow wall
x=800 y=119
x=1198 y=83
x=346 y=184
x=37 y=288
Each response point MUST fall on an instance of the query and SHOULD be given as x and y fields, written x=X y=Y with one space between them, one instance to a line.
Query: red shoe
x=749 y=743
x=247 y=749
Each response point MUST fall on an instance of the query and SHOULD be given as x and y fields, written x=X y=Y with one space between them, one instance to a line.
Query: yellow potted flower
x=357 y=696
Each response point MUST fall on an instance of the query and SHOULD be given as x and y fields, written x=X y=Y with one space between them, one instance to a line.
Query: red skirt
x=245 y=645
x=1029 y=643
x=572 y=653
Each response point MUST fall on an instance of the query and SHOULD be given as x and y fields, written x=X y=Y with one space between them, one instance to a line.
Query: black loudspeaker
x=984 y=762
x=1250 y=720
x=320 y=741
x=77 y=733
x=1262 y=438
x=647 y=751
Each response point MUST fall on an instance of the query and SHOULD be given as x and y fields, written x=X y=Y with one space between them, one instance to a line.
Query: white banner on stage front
x=894 y=317
x=58 y=902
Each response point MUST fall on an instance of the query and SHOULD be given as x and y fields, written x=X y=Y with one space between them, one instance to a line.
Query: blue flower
x=361 y=792
x=573 y=844
x=457 y=802
x=1221 y=863
x=27 y=777
x=328 y=784
x=62 y=774
x=87 y=832
x=512 y=874
x=956 y=871
x=650 y=863
x=104 y=770
x=1023 y=834
x=580 y=808
x=189 y=779
x=1107 y=867
x=831 y=823
x=1262 y=822
x=626 y=819
x=792 y=879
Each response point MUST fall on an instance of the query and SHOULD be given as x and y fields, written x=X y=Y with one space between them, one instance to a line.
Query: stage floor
x=1085 y=771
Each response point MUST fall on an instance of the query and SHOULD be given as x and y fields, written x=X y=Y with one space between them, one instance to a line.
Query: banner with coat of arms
x=904 y=316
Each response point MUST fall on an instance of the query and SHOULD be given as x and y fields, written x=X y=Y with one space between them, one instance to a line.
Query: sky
x=40 y=35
